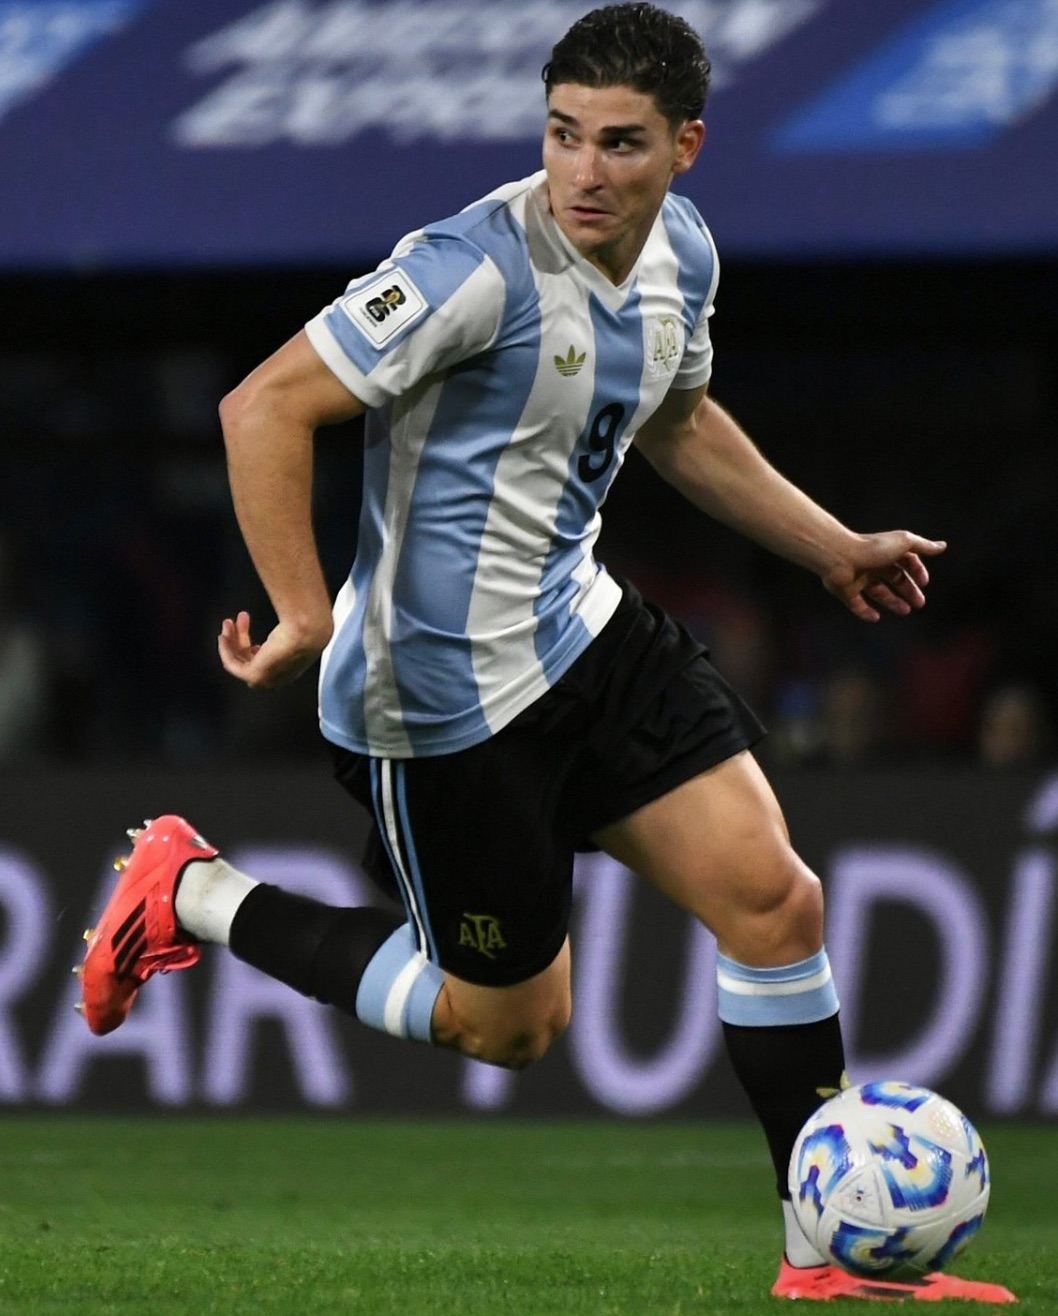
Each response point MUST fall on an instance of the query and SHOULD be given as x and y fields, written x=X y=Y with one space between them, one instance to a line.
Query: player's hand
x=884 y=571
x=282 y=658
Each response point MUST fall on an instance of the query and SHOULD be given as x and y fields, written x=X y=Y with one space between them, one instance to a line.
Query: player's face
x=610 y=155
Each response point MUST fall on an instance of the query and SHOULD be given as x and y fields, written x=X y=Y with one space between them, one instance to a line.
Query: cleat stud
x=79 y=1006
x=78 y=969
x=121 y=863
x=89 y=933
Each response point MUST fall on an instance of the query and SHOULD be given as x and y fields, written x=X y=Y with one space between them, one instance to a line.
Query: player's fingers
x=901 y=545
x=226 y=638
x=907 y=587
x=858 y=604
x=235 y=634
x=926 y=547
x=232 y=658
x=916 y=569
x=236 y=649
x=893 y=597
x=242 y=629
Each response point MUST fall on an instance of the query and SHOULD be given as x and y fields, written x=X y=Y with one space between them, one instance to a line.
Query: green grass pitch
x=311 y=1217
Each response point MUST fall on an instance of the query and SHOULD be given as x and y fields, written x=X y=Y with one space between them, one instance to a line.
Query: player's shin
x=783 y=1036
x=364 y=961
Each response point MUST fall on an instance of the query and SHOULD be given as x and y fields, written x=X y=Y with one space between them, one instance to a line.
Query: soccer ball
x=887 y=1177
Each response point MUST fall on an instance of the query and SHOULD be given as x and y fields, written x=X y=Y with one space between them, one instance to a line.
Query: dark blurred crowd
x=114 y=583
x=119 y=554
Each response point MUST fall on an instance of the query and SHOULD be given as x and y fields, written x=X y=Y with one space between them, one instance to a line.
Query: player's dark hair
x=639 y=46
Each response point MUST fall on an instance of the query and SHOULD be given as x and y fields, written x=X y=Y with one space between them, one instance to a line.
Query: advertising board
x=941 y=889
x=257 y=132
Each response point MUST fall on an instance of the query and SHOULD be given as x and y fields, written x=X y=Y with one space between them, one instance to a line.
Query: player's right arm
x=269 y=423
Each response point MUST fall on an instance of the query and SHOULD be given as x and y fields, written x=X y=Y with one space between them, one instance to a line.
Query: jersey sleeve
x=696 y=367
x=436 y=301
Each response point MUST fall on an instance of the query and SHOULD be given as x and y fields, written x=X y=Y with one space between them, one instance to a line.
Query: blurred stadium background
x=188 y=181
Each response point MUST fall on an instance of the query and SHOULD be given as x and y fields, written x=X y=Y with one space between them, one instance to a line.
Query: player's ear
x=690 y=137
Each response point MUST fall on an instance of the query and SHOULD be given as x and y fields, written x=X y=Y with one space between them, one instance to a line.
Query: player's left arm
x=698 y=448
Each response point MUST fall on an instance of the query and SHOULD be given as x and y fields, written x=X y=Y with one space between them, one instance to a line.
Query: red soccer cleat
x=137 y=935
x=822 y=1283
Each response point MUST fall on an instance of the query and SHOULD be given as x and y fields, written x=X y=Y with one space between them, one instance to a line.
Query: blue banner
x=250 y=132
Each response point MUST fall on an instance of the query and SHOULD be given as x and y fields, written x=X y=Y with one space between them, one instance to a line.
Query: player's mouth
x=589 y=214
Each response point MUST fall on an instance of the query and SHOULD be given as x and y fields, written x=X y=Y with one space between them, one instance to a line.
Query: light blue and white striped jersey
x=506 y=377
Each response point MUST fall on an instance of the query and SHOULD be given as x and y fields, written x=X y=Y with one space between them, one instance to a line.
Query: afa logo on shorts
x=481 y=932
x=387 y=305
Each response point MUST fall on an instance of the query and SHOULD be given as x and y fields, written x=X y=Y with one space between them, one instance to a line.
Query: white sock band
x=800 y=993
x=399 y=988
x=799 y=1252
x=207 y=896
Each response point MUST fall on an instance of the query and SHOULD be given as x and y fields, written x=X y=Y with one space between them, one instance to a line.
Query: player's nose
x=586 y=172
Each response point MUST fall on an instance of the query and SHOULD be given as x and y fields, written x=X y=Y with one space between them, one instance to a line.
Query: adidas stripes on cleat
x=823 y=1283
x=137 y=935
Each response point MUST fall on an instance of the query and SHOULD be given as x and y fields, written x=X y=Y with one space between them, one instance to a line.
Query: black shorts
x=480 y=844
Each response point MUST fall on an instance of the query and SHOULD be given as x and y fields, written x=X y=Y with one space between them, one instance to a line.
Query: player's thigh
x=718 y=846
x=510 y=1025
x=470 y=843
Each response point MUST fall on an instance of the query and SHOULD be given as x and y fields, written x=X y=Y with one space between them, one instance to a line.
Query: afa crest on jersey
x=663 y=345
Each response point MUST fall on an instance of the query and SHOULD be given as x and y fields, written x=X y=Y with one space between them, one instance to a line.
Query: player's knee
x=519 y=1047
x=802 y=905
x=509 y=1026
x=782 y=916
x=518 y=1043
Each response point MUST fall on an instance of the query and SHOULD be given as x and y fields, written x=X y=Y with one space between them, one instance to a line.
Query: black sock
x=787 y=1072
x=319 y=950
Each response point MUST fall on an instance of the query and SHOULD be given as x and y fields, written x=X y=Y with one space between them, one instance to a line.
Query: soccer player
x=492 y=694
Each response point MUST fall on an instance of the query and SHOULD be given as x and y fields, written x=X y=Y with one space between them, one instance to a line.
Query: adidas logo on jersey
x=571 y=363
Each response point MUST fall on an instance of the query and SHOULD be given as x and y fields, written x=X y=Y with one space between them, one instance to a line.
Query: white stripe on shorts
x=392 y=826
